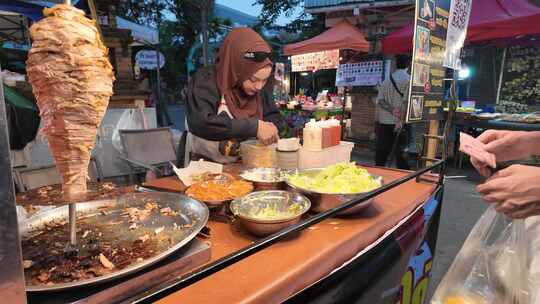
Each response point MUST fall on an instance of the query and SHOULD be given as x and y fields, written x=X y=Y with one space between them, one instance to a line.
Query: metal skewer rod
x=72 y=207
x=72 y=224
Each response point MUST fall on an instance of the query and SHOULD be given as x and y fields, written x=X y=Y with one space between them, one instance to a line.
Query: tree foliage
x=179 y=23
x=146 y=12
x=303 y=27
x=273 y=9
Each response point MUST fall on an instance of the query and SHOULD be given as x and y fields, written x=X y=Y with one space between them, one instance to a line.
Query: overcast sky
x=246 y=7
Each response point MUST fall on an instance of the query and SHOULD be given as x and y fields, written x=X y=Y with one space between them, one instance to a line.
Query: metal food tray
x=322 y=201
x=189 y=211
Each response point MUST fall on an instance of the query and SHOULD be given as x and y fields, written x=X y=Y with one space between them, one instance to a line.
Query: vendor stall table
x=287 y=268
x=502 y=125
x=340 y=259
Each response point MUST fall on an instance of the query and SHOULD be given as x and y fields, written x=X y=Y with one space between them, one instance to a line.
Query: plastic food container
x=287 y=159
x=255 y=155
x=319 y=159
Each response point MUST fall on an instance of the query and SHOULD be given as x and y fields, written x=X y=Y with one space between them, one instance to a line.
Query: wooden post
x=432 y=143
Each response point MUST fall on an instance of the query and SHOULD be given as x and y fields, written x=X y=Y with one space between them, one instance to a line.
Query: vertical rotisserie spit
x=72 y=79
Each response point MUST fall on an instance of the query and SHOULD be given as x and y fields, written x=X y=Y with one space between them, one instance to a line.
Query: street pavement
x=462 y=207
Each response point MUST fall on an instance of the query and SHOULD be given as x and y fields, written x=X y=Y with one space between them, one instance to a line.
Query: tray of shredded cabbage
x=341 y=178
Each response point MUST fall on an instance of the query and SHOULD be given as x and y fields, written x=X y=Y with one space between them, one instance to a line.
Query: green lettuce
x=342 y=178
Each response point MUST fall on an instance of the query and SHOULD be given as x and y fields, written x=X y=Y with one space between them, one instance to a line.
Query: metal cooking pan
x=192 y=214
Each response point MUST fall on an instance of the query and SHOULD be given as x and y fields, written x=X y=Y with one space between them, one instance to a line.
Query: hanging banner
x=355 y=70
x=365 y=73
x=315 y=61
x=457 y=31
x=426 y=90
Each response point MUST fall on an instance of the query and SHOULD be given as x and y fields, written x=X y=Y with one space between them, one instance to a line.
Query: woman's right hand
x=267 y=133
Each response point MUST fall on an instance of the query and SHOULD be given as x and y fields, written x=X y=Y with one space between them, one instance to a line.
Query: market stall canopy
x=11 y=17
x=12 y=27
x=32 y=9
x=341 y=36
x=491 y=20
x=142 y=35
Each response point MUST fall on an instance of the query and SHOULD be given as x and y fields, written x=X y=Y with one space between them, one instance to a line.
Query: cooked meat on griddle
x=72 y=80
x=47 y=263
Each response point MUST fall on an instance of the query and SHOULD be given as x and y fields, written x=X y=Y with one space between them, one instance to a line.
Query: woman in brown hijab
x=232 y=101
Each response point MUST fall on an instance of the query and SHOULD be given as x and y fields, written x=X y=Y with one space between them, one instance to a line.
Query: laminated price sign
x=457 y=31
x=426 y=90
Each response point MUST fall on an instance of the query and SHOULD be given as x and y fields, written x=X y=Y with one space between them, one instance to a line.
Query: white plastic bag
x=132 y=119
x=491 y=267
x=532 y=224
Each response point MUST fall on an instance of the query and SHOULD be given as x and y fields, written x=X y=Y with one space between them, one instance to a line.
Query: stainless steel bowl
x=264 y=178
x=321 y=202
x=247 y=209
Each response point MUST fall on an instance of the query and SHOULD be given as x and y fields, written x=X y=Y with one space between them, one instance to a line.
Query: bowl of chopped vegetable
x=265 y=212
x=264 y=178
x=334 y=185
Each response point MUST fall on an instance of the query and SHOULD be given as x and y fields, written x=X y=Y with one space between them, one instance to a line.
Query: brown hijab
x=233 y=69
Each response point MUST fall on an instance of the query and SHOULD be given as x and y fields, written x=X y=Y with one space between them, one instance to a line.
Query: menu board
x=426 y=90
x=364 y=73
x=315 y=61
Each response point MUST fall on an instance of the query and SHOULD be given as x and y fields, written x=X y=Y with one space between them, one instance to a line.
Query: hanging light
x=464 y=72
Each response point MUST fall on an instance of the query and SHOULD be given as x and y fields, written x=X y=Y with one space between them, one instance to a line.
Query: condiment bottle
x=312 y=136
x=326 y=133
x=336 y=131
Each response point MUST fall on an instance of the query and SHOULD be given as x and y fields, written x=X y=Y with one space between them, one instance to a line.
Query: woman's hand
x=267 y=133
x=515 y=190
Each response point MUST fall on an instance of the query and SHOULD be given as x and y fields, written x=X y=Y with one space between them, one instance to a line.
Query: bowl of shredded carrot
x=216 y=189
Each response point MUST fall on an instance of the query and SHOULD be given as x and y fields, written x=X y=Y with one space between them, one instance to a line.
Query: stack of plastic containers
x=322 y=145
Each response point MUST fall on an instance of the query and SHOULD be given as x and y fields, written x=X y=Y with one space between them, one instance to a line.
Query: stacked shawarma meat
x=72 y=80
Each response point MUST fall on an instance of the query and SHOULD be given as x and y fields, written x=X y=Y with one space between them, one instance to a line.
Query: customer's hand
x=505 y=145
x=267 y=133
x=515 y=190
x=508 y=145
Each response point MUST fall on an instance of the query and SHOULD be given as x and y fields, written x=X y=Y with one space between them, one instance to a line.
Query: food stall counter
x=286 y=268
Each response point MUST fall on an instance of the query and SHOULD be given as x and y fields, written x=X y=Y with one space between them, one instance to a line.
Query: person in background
x=516 y=189
x=229 y=102
x=389 y=112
